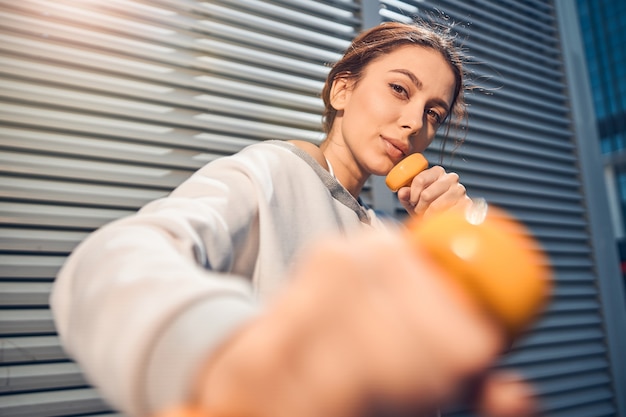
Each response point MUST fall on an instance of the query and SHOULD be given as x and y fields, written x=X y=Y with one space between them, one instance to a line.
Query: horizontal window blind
x=519 y=153
x=106 y=105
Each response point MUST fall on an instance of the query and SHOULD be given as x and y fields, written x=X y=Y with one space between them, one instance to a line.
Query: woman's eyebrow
x=419 y=85
x=411 y=76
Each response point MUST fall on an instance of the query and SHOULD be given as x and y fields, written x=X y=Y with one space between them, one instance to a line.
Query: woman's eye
x=398 y=89
x=435 y=116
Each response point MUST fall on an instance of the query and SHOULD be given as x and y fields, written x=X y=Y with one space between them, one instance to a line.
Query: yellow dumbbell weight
x=485 y=250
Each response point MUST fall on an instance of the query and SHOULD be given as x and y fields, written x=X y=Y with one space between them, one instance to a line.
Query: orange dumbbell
x=402 y=174
x=490 y=254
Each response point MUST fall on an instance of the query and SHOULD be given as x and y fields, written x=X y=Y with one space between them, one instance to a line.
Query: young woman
x=262 y=286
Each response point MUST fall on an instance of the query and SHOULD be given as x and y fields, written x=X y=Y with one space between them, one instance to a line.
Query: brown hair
x=385 y=38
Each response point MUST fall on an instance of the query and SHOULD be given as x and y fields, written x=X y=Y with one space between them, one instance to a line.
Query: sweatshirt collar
x=337 y=191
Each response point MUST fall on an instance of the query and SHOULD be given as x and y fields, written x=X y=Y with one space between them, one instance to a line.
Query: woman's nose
x=412 y=122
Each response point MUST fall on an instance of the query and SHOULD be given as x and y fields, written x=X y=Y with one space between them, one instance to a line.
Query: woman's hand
x=368 y=326
x=433 y=190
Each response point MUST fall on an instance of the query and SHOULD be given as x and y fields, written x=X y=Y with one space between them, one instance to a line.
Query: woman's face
x=394 y=109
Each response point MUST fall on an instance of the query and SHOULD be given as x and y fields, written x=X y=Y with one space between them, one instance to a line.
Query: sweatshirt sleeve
x=142 y=302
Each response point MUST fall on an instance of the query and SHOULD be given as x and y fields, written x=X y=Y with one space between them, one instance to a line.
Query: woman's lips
x=395 y=148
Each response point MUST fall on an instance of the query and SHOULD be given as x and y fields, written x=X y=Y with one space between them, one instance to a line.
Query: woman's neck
x=344 y=166
x=329 y=155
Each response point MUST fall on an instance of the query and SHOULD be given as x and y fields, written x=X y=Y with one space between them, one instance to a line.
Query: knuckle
x=427 y=196
x=452 y=176
x=439 y=170
x=420 y=181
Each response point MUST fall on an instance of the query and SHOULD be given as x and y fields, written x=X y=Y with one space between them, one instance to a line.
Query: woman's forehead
x=418 y=63
x=410 y=57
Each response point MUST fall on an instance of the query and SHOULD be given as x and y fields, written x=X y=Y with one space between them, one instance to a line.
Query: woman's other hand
x=367 y=325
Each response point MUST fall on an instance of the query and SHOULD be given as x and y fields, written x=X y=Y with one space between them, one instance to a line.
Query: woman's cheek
x=423 y=139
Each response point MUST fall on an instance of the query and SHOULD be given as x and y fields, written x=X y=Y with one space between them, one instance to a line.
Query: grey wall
x=107 y=105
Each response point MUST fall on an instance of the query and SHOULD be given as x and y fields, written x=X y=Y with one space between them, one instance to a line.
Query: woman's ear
x=340 y=91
